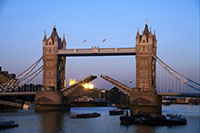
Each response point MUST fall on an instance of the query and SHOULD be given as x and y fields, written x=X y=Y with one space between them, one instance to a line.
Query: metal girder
x=127 y=90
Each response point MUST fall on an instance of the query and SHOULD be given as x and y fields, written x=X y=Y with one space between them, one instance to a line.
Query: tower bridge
x=54 y=53
x=144 y=98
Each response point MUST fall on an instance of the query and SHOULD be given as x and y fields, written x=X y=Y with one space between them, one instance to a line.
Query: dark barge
x=116 y=112
x=8 y=124
x=161 y=120
x=87 y=115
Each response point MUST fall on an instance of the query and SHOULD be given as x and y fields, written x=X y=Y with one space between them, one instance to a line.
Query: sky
x=176 y=23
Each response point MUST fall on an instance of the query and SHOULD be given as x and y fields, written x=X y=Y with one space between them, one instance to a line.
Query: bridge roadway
x=10 y=104
x=179 y=94
x=17 y=94
x=159 y=93
x=96 y=51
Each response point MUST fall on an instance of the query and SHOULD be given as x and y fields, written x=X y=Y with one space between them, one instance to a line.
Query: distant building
x=5 y=76
x=81 y=92
x=102 y=94
x=30 y=87
x=72 y=81
x=117 y=97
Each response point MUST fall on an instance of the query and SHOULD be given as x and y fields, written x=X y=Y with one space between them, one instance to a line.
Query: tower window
x=49 y=43
x=143 y=47
x=143 y=40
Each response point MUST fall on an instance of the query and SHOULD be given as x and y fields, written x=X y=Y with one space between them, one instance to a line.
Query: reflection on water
x=144 y=129
x=53 y=122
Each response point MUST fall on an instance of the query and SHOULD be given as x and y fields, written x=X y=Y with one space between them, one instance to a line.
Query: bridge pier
x=51 y=101
x=145 y=103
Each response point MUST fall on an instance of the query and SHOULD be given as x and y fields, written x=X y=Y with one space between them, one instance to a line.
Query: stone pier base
x=51 y=101
x=145 y=103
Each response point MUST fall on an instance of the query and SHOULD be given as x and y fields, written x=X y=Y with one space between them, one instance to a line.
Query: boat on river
x=160 y=120
x=8 y=124
x=166 y=102
x=86 y=115
x=116 y=112
x=175 y=120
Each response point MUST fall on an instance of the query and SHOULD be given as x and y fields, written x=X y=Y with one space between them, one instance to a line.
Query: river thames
x=59 y=122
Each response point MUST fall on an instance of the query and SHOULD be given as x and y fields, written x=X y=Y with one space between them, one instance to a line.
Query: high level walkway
x=97 y=51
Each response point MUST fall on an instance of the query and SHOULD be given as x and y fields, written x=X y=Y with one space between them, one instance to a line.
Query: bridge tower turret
x=145 y=71
x=145 y=99
x=53 y=75
x=62 y=65
x=53 y=65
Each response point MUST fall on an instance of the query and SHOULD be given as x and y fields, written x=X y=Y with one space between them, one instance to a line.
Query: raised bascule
x=144 y=98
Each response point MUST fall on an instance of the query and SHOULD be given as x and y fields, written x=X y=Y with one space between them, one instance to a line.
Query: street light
x=88 y=86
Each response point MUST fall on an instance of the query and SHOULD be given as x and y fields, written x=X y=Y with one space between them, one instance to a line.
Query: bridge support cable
x=16 y=82
x=13 y=83
x=177 y=75
x=26 y=72
x=31 y=76
x=28 y=76
x=38 y=72
x=30 y=68
x=124 y=88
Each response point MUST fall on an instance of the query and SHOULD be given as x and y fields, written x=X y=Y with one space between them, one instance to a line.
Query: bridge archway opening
x=122 y=68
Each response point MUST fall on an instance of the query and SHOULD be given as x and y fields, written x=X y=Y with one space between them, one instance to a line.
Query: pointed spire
x=45 y=37
x=150 y=33
x=146 y=29
x=54 y=34
x=64 y=37
x=64 y=41
x=138 y=34
x=154 y=34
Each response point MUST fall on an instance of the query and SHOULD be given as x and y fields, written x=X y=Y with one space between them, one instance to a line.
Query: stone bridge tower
x=53 y=65
x=145 y=63
x=145 y=98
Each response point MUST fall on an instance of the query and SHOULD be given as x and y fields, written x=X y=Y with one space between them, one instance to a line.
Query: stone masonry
x=54 y=65
x=144 y=99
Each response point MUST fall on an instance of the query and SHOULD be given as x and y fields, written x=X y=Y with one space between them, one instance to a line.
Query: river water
x=59 y=122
